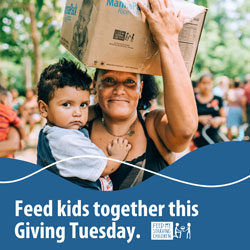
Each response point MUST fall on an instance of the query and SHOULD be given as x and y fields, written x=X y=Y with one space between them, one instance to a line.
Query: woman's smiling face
x=118 y=93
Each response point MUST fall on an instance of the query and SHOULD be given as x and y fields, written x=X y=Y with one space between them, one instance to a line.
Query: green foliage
x=201 y=2
x=223 y=50
x=224 y=45
x=15 y=34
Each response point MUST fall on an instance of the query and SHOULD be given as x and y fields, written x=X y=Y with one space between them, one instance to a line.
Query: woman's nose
x=118 y=88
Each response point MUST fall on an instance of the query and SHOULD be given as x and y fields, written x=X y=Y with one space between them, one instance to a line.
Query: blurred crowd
x=223 y=107
x=22 y=113
x=27 y=108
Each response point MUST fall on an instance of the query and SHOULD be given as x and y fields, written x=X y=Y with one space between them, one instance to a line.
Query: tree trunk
x=35 y=40
x=27 y=71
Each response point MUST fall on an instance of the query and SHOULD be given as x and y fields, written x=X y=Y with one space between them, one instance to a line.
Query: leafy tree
x=225 y=40
x=28 y=28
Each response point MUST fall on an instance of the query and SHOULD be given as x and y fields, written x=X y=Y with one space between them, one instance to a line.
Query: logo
x=161 y=230
x=70 y=10
x=166 y=230
x=123 y=36
x=180 y=231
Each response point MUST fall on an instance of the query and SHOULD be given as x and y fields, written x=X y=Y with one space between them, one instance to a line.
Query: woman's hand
x=217 y=121
x=174 y=127
x=205 y=119
x=164 y=24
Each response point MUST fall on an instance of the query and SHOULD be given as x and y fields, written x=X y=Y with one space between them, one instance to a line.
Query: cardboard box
x=114 y=35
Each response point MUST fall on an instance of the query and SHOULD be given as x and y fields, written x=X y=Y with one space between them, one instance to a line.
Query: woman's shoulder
x=155 y=116
x=152 y=120
x=216 y=97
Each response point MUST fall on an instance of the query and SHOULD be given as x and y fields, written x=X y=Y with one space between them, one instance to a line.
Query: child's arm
x=11 y=144
x=21 y=131
x=68 y=143
x=17 y=123
x=22 y=134
x=118 y=149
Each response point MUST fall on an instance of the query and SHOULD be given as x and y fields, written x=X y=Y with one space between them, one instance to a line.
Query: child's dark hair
x=59 y=75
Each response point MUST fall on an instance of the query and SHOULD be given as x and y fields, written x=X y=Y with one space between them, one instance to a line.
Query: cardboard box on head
x=114 y=35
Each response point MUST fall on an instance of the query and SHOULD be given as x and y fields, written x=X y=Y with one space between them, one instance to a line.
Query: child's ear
x=43 y=108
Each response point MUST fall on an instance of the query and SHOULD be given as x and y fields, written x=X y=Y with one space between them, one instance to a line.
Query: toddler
x=63 y=99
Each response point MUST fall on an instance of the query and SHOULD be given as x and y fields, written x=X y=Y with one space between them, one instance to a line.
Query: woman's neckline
x=211 y=97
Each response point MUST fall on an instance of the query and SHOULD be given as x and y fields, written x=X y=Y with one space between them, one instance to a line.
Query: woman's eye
x=130 y=83
x=109 y=81
x=66 y=104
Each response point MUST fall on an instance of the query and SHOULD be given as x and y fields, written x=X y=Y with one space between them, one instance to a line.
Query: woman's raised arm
x=11 y=145
x=176 y=125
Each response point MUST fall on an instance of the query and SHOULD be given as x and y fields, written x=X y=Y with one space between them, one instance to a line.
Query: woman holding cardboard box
x=163 y=131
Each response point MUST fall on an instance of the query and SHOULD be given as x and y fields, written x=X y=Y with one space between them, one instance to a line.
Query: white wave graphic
x=131 y=165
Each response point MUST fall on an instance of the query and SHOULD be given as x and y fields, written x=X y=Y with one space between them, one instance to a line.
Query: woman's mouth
x=118 y=100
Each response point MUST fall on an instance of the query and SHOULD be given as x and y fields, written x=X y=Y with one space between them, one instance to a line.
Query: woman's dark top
x=125 y=175
x=211 y=108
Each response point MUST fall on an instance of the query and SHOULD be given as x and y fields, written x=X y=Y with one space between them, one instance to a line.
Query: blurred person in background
x=17 y=101
x=8 y=118
x=246 y=105
x=234 y=108
x=196 y=89
x=222 y=88
x=210 y=111
x=29 y=110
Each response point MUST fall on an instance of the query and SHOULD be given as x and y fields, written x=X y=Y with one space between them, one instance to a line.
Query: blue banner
x=200 y=202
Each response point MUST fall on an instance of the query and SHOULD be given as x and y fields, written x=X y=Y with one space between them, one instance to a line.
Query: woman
x=29 y=110
x=210 y=110
x=234 y=114
x=162 y=131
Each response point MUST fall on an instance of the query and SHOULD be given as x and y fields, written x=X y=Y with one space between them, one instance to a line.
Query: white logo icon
x=179 y=231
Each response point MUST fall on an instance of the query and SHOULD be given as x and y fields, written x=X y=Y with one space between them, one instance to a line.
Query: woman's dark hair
x=149 y=92
x=59 y=75
x=236 y=84
x=194 y=84
x=208 y=75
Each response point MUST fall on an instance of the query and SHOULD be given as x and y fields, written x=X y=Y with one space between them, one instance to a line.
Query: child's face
x=7 y=100
x=68 y=108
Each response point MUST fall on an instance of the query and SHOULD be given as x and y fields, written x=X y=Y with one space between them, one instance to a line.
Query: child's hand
x=119 y=148
x=21 y=146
